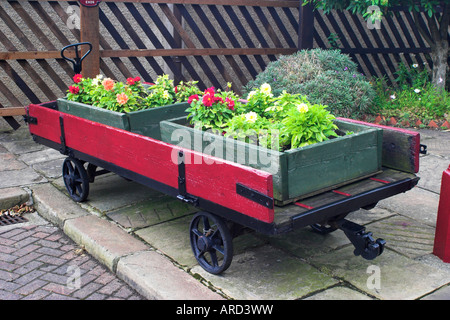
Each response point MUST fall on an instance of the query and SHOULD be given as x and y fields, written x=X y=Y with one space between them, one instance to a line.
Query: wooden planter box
x=296 y=173
x=144 y=122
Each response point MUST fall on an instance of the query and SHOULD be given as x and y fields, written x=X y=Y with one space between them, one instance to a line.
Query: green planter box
x=144 y=122
x=296 y=173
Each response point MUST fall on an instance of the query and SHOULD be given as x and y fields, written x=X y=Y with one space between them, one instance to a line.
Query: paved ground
x=141 y=237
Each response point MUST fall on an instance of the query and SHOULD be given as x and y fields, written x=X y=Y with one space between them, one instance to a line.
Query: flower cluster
x=212 y=109
x=285 y=122
x=131 y=96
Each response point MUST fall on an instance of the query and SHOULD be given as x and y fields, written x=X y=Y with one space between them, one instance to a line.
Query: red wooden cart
x=229 y=196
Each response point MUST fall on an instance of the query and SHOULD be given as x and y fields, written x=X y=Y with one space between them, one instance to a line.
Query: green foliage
x=326 y=77
x=288 y=121
x=302 y=128
x=414 y=97
x=127 y=97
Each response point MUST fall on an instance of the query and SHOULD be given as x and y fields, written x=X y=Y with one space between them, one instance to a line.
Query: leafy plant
x=326 y=77
x=289 y=122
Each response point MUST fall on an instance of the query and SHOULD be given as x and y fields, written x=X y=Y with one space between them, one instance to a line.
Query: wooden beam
x=90 y=32
x=13 y=111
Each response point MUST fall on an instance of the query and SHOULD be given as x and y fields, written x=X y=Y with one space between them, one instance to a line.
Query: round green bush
x=326 y=77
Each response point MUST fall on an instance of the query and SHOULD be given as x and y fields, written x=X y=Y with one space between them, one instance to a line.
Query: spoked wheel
x=211 y=242
x=75 y=179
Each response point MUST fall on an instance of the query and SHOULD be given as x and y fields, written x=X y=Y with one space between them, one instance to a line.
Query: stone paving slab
x=54 y=205
x=105 y=241
x=266 y=273
x=13 y=196
x=401 y=278
x=156 y=278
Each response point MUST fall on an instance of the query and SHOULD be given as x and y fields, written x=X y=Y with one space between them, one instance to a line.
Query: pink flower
x=122 y=98
x=77 y=78
x=192 y=98
x=108 y=84
x=74 y=89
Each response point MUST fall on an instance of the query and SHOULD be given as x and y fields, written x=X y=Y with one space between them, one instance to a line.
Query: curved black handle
x=77 y=61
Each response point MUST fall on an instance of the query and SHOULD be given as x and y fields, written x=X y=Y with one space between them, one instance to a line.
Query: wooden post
x=306 y=27
x=90 y=31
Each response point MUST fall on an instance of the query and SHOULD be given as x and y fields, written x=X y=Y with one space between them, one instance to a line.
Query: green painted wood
x=144 y=122
x=296 y=173
x=85 y=111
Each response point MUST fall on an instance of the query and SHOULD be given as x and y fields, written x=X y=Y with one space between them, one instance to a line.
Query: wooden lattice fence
x=214 y=42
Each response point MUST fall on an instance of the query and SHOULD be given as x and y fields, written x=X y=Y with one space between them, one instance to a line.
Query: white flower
x=166 y=94
x=251 y=117
x=266 y=88
x=416 y=90
x=393 y=97
x=415 y=65
x=97 y=80
x=440 y=80
x=251 y=94
x=302 y=107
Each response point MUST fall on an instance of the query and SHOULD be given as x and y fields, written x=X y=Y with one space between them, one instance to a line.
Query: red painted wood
x=342 y=193
x=415 y=141
x=207 y=177
x=304 y=205
x=379 y=180
x=442 y=235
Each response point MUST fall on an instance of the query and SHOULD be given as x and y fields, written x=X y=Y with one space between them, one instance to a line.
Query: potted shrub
x=301 y=144
x=133 y=106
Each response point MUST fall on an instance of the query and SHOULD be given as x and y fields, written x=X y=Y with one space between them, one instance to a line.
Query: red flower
x=74 y=89
x=132 y=81
x=192 y=98
x=230 y=103
x=218 y=99
x=208 y=100
x=210 y=91
x=176 y=89
x=77 y=78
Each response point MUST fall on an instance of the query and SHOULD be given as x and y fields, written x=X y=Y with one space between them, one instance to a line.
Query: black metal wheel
x=211 y=242
x=75 y=179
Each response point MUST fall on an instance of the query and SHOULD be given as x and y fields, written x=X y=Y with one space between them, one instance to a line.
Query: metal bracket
x=254 y=195
x=29 y=119
x=364 y=243
x=423 y=149
x=63 y=148
x=183 y=195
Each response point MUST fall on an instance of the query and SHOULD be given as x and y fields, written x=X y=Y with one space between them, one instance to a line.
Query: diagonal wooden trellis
x=214 y=42
x=378 y=51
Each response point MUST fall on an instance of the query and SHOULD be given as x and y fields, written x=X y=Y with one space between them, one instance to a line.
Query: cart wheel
x=76 y=179
x=321 y=229
x=211 y=242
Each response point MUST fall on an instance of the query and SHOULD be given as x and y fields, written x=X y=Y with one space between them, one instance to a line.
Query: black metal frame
x=303 y=219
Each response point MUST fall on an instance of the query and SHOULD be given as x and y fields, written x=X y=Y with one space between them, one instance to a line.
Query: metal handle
x=77 y=62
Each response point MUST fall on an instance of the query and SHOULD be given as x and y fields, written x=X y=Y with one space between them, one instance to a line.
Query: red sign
x=89 y=3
